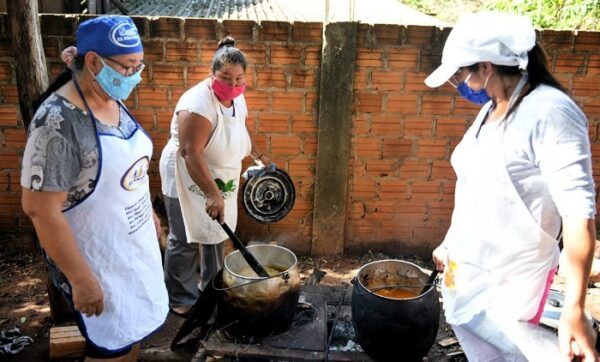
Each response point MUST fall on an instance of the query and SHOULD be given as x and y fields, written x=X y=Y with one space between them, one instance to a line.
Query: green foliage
x=545 y=14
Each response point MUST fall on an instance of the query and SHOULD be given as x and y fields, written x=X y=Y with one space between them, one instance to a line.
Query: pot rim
x=357 y=279
x=257 y=278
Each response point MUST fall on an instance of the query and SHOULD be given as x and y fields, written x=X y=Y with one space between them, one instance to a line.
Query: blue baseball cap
x=108 y=36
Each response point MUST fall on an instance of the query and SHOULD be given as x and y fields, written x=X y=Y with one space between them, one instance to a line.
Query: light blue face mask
x=115 y=84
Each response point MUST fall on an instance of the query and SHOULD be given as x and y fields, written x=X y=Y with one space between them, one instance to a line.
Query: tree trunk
x=32 y=75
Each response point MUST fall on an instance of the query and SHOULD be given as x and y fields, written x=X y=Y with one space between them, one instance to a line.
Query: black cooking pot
x=389 y=328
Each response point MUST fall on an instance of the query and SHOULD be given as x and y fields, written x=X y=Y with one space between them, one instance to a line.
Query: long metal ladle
x=250 y=259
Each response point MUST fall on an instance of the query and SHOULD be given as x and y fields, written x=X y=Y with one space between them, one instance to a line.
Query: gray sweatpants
x=188 y=267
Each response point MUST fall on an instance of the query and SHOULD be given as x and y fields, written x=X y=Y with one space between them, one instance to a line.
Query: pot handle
x=285 y=276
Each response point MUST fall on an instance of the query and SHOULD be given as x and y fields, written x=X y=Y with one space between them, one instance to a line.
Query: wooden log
x=32 y=75
x=66 y=342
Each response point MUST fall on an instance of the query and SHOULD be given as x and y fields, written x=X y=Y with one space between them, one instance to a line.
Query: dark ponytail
x=63 y=78
x=537 y=68
x=227 y=53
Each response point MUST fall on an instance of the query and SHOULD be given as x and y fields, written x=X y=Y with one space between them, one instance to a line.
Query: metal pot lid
x=269 y=197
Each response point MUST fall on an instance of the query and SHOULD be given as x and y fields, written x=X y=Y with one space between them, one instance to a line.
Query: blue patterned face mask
x=115 y=84
x=477 y=97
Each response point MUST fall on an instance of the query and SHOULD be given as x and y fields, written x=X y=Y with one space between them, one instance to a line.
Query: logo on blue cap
x=124 y=35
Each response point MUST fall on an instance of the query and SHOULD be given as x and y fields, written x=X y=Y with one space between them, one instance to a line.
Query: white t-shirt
x=198 y=100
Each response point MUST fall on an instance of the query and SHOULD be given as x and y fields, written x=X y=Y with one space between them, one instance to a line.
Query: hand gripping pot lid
x=108 y=36
x=499 y=38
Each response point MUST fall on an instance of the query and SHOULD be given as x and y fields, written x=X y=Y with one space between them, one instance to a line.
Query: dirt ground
x=24 y=303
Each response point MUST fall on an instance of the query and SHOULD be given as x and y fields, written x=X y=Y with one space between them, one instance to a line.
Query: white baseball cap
x=499 y=38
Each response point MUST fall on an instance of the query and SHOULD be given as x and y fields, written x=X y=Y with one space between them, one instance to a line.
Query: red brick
x=436 y=105
x=145 y=117
x=587 y=41
x=418 y=126
x=176 y=93
x=10 y=94
x=430 y=59
x=420 y=35
x=442 y=169
x=165 y=27
x=369 y=58
x=257 y=100
x=387 y=125
x=287 y=101
x=163 y=119
x=363 y=188
x=593 y=67
x=274 y=30
x=586 y=87
x=304 y=78
x=312 y=55
x=307 y=32
x=397 y=147
x=196 y=74
x=432 y=149
x=591 y=108
x=361 y=80
x=416 y=82
x=153 y=97
x=414 y=169
x=382 y=168
x=200 y=29
x=387 y=34
x=165 y=74
x=387 y=80
x=285 y=145
x=425 y=190
x=441 y=211
x=311 y=102
x=367 y=147
x=379 y=209
x=364 y=37
x=271 y=77
x=10 y=160
x=286 y=55
x=254 y=53
x=207 y=52
x=6 y=48
x=182 y=51
x=302 y=167
x=9 y=116
x=274 y=123
x=153 y=50
x=360 y=126
x=357 y=210
x=402 y=103
x=464 y=107
x=569 y=63
x=451 y=127
x=15 y=138
x=368 y=102
x=50 y=45
x=5 y=72
x=239 y=29
x=557 y=40
x=303 y=123
x=309 y=146
x=402 y=58
x=392 y=189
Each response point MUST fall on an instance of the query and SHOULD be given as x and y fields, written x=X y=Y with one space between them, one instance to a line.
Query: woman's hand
x=440 y=255
x=576 y=336
x=68 y=56
x=263 y=159
x=88 y=297
x=215 y=208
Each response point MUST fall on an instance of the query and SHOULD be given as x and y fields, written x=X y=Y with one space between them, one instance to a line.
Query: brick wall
x=400 y=183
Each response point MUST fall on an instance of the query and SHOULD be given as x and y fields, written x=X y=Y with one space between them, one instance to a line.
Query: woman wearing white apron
x=85 y=186
x=523 y=165
x=200 y=169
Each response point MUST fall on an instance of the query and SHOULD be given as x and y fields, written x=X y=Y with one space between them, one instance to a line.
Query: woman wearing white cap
x=85 y=186
x=522 y=168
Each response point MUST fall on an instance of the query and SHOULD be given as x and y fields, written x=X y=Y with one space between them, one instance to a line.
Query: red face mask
x=226 y=92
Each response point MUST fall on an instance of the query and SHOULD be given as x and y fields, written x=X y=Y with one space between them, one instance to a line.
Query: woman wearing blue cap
x=523 y=168
x=85 y=187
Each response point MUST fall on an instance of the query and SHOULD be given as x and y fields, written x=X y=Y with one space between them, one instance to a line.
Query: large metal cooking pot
x=394 y=328
x=255 y=307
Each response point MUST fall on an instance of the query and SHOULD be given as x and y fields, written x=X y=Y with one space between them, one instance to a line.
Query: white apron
x=115 y=233
x=499 y=256
x=229 y=144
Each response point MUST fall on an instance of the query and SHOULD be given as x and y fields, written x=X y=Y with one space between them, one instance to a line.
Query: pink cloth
x=549 y=280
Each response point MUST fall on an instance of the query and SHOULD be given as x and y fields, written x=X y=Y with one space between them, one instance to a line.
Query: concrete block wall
x=400 y=184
